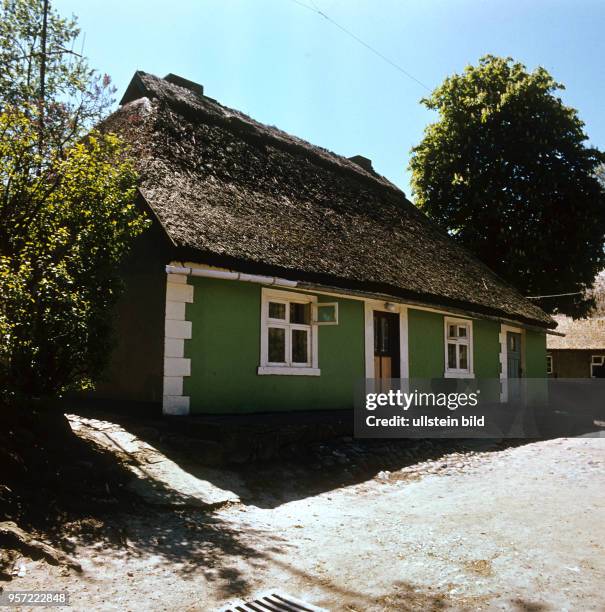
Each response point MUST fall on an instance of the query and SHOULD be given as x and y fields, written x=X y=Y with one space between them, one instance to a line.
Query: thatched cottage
x=580 y=352
x=277 y=274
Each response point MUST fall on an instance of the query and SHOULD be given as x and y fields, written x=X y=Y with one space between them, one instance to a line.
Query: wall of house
x=572 y=363
x=426 y=345
x=136 y=367
x=535 y=354
x=225 y=349
x=225 y=353
x=486 y=347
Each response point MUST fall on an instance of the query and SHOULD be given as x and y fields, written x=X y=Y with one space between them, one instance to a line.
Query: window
x=597 y=366
x=458 y=348
x=288 y=334
x=549 y=364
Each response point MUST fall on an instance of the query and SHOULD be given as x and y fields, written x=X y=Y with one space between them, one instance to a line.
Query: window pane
x=386 y=335
x=299 y=313
x=451 y=356
x=451 y=331
x=277 y=310
x=326 y=314
x=462 y=331
x=277 y=345
x=463 y=356
x=299 y=346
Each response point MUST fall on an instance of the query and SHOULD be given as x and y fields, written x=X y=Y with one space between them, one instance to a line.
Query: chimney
x=196 y=88
x=363 y=162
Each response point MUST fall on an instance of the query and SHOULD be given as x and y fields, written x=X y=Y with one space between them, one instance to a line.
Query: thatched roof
x=581 y=334
x=233 y=192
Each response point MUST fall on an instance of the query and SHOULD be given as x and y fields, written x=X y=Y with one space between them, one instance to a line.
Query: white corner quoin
x=176 y=331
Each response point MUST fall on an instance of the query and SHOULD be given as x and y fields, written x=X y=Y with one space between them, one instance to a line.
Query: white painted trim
x=504 y=357
x=174 y=347
x=447 y=372
x=176 y=331
x=315 y=313
x=177 y=366
x=267 y=368
x=450 y=374
x=177 y=292
x=175 y=310
x=404 y=362
x=504 y=349
x=196 y=269
x=596 y=360
x=287 y=371
x=177 y=405
x=173 y=385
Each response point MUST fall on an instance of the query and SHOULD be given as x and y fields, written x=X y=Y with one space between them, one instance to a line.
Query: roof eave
x=364 y=289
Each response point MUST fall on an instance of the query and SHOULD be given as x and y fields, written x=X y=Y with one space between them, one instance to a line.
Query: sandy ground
x=518 y=529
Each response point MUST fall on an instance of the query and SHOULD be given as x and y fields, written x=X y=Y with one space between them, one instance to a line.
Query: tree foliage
x=506 y=171
x=601 y=175
x=67 y=213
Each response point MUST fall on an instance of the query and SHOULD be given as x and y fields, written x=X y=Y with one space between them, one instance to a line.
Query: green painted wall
x=425 y=342
x=486 y=347
x=225 y=353
x=535 y=354
x=426 y=346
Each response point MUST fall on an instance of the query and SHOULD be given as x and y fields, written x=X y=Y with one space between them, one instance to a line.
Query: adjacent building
x=580 y=353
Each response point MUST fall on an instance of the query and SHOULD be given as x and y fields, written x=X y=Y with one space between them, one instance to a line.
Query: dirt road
x=518 y=529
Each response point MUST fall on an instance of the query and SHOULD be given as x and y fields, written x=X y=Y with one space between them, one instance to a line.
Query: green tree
x=601 y=175
x=506 y=171
x=67 y=213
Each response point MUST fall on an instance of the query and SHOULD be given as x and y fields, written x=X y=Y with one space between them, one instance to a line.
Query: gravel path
x=518 y=529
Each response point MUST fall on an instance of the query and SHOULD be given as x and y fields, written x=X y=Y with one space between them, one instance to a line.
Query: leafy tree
x=506 y=171
x=598 y=294
x=601 y=175
x=67 y=211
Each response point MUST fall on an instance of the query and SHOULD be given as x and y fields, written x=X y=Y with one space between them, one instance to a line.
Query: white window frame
x=311 y=367
x=467 y=341
x=549 y=363
x=596 y=360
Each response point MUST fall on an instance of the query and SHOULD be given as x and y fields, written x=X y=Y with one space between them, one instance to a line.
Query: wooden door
x=386 y=345
x=513 y=355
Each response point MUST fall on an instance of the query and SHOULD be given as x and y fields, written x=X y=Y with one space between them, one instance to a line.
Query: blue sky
x=287 y=66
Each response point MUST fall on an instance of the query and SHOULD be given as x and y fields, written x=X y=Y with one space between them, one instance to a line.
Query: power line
x=539 y=297
x=316 y=10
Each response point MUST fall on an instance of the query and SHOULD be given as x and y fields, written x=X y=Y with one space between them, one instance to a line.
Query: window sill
x=287 y=371
x=458 y=375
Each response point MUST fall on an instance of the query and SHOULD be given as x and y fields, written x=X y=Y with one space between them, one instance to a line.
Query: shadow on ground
x=79 y=493
x=68 y=491
x=301 y=469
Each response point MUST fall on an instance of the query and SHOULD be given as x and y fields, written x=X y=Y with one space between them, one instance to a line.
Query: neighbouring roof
x=231 y=191
x=580 y=334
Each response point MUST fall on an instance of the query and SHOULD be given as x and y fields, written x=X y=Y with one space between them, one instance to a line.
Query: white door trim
x=369 y=307
x=504 y=357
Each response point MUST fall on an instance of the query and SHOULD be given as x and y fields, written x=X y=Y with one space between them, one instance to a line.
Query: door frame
x=504 y=329
x=369 y=307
